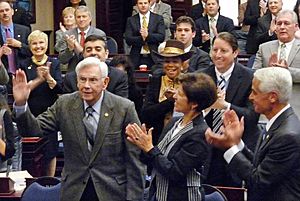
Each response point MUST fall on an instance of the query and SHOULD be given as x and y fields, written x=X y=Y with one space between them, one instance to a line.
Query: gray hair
x=288 y=12
x=92 y=61
x=83 y=9
x=275 y=79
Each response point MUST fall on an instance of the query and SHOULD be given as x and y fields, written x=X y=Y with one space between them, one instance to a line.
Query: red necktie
x=11 y=57
x=82 y=38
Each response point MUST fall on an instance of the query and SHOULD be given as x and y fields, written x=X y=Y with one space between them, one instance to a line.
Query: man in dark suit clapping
x=273 y=171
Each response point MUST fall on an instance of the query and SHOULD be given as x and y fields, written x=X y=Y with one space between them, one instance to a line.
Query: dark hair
x=128 y=66
x=93 y=38
x=81 y=3
x=136 y=1
x=199 y=88
x=186 y=19
x=229 y=38
x=296 y=10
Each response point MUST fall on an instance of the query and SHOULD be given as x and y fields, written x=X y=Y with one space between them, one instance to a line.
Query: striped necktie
x=217 y=114
x=145 y=26
x=91 y=125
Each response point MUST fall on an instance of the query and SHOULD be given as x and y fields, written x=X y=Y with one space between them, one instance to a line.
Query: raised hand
x=204 y=36
x=139 y=136
x=21 y=89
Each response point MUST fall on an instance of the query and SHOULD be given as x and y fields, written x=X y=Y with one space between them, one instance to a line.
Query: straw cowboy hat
x=174 y=48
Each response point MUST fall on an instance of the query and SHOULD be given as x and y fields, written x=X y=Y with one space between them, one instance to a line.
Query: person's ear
x=105 y=82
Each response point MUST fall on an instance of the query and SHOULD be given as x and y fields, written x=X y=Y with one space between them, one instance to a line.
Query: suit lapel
x=294 y=50
x=234 y=83
x=106 y=116
x=137 y=22
x=151 y=21
x=77 y=116
x=275 y=126
x=206 y=25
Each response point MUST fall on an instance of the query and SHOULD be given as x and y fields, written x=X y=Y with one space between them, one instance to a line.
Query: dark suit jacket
x=274 y=174
x=223 y=24
x=190 y=151
x=113 y=164
x=263 y=26
x=153 y=112
x=118 y=82
x=251 y=16
x=21 y=34
x=42 y=96
x=196 y=11
x=156 y=30
x=199 y=60
x=237 y=93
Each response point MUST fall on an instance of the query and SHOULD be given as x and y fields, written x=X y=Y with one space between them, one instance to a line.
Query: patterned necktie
x=82 y=38
x=145 y=26
x=91 y=125
x=212 y=24
x=217 y=114
x=11 y=57
x=282 y=52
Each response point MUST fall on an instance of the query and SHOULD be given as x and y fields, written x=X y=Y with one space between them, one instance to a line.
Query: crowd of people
x=198 y=121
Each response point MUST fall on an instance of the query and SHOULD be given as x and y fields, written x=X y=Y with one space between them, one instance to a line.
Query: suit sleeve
x=24 y=50
x=135 y=169
x=67 y=84
x=197 y=41
x=166 y=14
x=3 y=74
x=279 y=161
x=132 y=35
x=56 y=74
x=262 y=34
x=60 y=44
x=258 y=61
x=158 y=34
x=251 y=15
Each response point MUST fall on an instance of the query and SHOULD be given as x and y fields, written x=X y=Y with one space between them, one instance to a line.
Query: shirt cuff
x=20 y=109
x=232 y=151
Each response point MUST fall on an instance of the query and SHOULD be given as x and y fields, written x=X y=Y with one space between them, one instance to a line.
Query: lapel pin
x=106 y=114
x=267 y=137
x=29 y=67
x=19 y=36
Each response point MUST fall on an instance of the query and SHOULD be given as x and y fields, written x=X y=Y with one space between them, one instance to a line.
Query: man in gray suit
x=74 y=39
x=272 y=172
x=99 y=162
x=284 y=52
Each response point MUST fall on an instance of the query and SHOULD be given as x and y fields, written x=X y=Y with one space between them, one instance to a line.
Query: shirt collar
x=97 y=105
x=215 y=17
x=226 y=75
x=10 y=27
x=147 y=15
x=287 y=44
x=188 y=48
x=272 y=120
x=85 y=31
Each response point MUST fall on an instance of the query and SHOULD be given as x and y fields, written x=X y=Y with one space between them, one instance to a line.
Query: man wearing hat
x=159 y=102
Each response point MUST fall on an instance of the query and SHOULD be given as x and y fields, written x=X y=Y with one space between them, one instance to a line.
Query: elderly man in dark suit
x=234 y=88
x=13 y=40
x=95 y=46
x=209 y=26
x=273 y=171
x=74 y=39
x=99 y=162
x=144 y=31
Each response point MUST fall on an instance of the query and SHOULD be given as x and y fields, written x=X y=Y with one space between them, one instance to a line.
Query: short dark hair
x=229 y=38
x=81 y=3
x=93 y=38
x=186 y=19
x=199 y=88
